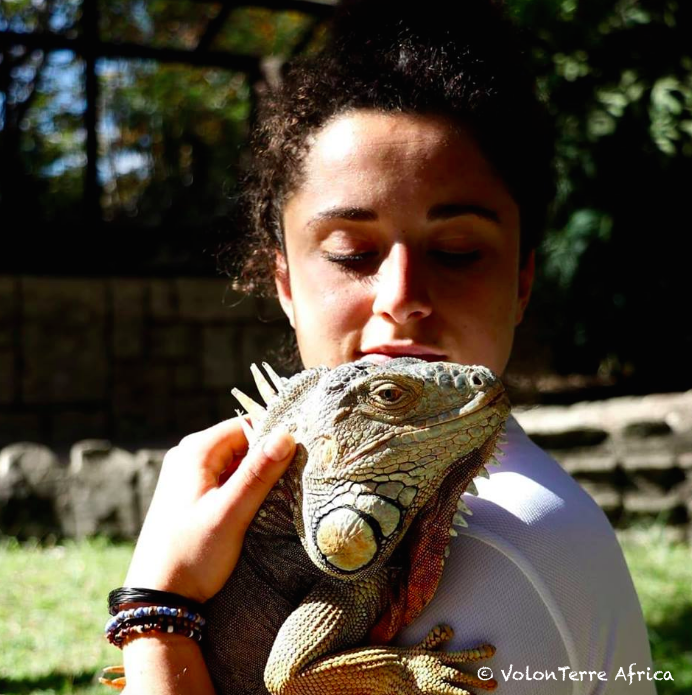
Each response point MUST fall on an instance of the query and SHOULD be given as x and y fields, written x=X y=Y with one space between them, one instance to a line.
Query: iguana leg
x=332 y=618
x=393 y=671
x=311 y=654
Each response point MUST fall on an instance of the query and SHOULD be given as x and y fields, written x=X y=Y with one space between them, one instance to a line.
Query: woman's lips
x=383 y=353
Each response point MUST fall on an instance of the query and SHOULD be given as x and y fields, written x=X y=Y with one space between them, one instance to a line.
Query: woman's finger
x=246 y=489
x=216 y=446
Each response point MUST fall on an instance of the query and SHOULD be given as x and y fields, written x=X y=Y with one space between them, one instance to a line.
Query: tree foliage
x=617 y=75
x=41 y=117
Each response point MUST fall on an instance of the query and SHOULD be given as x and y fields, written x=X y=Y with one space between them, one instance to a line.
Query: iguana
x=349 y=546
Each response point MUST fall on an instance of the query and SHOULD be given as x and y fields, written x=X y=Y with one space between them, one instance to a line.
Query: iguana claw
x=438 y=673
x=119 y=682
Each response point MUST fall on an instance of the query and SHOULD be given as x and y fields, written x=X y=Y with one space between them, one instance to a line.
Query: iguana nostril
x=477 y=380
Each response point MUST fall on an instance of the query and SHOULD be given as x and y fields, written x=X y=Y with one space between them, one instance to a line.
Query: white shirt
x=539 y=574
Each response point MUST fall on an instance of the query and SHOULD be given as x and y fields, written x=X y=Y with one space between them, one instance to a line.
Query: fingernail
x=277 y=446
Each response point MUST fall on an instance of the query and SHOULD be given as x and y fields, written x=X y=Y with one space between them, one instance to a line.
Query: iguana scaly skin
x=349 y=546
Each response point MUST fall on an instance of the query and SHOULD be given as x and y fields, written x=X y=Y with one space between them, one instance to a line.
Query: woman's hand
x=194 y=529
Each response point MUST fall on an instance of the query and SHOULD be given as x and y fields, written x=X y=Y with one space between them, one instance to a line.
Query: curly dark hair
x=459 y=59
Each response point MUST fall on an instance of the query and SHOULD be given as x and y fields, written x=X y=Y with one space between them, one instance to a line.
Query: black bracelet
x=152 y=597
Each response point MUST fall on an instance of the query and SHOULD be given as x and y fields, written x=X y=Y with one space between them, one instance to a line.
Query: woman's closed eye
x=360 y=260
x=367 y=261
x=455 y=259
x=344 y=257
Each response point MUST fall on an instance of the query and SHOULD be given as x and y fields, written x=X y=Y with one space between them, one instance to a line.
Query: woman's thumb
x=257 y=474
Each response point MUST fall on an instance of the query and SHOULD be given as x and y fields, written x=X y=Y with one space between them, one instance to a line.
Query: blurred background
x=123 y=132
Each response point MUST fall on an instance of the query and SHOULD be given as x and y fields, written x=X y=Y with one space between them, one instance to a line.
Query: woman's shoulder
x=539 y=573
x=530 y=492
x=535 y=515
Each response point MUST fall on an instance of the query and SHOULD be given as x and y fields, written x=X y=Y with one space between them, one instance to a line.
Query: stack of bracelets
x=159 y=611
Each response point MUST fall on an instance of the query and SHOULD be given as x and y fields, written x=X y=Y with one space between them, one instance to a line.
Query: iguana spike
x=483 y=472
x=472 y=489
x=493 y=461
x=462 y=507
x=254 y=409
x=247 y=428
x=459 y=520
x=277 y=380
x=265 y=389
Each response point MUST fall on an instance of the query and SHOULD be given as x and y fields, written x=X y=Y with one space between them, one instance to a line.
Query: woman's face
x=401 y=240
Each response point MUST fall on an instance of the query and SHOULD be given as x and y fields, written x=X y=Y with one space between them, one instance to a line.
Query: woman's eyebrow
x=442 y=211
x=353 y=214
x=445 y=211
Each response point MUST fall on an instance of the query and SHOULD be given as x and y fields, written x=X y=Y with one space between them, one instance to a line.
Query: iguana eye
x=386 y=397
x=388 y=393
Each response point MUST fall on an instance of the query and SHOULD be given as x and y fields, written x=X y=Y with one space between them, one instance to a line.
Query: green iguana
x=349 y=546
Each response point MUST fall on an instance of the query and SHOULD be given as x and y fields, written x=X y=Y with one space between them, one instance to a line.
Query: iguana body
x=349 y=546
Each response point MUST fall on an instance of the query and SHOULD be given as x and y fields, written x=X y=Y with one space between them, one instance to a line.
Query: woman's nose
x=401 y=292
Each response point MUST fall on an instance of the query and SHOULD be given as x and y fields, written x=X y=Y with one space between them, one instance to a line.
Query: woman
x=400 y=186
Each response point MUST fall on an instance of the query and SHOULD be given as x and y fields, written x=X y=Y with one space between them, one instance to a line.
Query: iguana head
x=378 y=441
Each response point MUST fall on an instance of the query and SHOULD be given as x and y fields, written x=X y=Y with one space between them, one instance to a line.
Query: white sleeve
x=539 y=573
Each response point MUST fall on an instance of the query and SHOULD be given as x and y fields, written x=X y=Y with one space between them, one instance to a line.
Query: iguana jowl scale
x=349 y=546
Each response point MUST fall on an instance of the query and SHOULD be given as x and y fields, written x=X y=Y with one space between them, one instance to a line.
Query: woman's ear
x=527 y=272
x=283 y=287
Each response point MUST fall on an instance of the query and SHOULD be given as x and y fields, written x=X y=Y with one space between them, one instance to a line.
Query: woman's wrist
x=166 y=664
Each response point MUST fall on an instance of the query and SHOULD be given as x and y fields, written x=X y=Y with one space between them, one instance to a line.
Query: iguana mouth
x=466 y=413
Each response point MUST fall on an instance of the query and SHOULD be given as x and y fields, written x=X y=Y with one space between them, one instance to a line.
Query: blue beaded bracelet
x=153 y=618
x=146 y=611
x=141 y=627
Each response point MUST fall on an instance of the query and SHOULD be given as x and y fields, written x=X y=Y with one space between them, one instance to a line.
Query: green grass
x=52 y=612
x=662 y=573
x=53 y=608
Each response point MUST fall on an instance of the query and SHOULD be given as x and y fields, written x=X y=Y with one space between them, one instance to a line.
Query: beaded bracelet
x=139 y=627
x=153 y=618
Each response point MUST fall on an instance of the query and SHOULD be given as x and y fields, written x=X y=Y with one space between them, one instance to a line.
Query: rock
x=34 y=501
x=149 y=462
x=642 y=429
x=103 y=490
x=586 y=462
x=570 y=438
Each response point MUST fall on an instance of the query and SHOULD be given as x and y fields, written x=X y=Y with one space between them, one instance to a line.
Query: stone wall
x=634 y=455
x=137 y=361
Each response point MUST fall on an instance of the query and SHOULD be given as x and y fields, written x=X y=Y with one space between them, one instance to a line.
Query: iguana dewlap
x=349 y=546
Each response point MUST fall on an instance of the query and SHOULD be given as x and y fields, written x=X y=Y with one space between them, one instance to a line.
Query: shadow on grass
x=671 y=646
x=57 y=682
